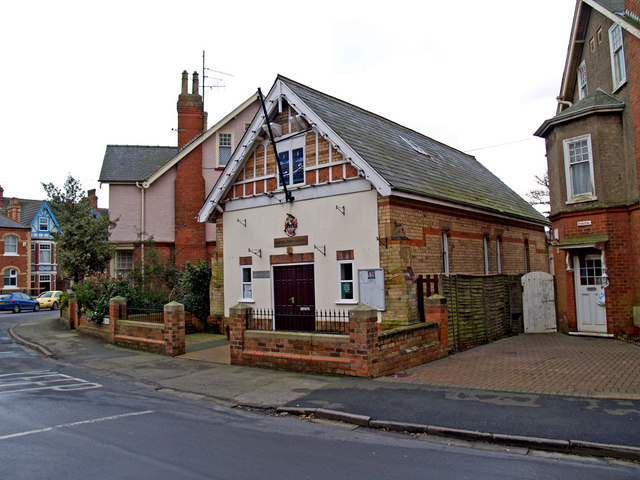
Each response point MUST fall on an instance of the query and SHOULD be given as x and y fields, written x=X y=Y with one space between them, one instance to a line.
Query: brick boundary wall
x=166 y=338
x=365 y=352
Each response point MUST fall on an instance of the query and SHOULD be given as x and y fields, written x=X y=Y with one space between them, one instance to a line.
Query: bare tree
x=540 y=196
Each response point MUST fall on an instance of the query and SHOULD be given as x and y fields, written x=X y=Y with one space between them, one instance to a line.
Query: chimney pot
x=185 y=82
x=194 y=89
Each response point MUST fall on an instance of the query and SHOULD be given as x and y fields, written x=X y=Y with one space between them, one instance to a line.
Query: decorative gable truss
x=309 y=152
x=44 y=223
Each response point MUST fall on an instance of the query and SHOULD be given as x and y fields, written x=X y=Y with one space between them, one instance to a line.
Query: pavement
x=563 y=393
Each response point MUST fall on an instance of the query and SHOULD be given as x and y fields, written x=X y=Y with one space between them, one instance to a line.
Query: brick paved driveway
x=551 y=363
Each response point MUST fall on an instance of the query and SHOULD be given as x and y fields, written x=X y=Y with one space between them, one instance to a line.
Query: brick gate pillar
x=117 y=310
x=437 y=310
x=174 y=329
x=237 y=326
x=363 y=339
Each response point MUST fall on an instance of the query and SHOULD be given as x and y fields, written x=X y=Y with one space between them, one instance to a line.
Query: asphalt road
x=63 y=422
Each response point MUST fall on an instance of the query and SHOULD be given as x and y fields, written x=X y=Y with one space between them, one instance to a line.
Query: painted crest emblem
x=290 y=225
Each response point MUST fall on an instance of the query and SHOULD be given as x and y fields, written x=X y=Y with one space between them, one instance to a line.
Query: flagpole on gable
x=287 y=194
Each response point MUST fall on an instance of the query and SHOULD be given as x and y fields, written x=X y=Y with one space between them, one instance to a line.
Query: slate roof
x=441 y=172
x=598 y=100
x=614 y=6
x=28 y=208
x=6 y=222
x=133 y=163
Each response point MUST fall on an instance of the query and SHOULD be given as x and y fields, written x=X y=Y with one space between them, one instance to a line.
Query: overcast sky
x=77 y=76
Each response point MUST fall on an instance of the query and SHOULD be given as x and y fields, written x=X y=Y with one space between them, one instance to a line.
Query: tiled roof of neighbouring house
x=133 y=163
x=6 y=222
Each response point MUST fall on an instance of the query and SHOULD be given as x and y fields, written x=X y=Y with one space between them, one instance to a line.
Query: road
x=73 y=423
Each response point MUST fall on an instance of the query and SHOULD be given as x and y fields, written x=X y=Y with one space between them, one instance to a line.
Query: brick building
x=157 y=191
x=15 y=245
x=372 y=205
x=594 y=171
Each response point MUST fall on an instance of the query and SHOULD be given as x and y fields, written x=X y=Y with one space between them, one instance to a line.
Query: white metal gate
x=538 y=303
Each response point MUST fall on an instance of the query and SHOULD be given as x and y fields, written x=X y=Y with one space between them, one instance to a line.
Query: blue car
x=18 y=301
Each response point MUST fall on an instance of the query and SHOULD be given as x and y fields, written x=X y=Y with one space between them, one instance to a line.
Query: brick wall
x=20 y=262
x=411 y=245
x=365 y=352
x=622 y=228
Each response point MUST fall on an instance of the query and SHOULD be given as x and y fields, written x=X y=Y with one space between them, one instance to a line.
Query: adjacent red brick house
x=372 y=204
x=158 y=191
x=594 y=171
x=15 y=259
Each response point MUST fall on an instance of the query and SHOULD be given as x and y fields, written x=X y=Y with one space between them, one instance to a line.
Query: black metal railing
x=318 y=321
x=145 y=314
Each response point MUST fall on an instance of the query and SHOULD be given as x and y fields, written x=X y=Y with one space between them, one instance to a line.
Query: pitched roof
x=597 y=101
x=6 y=222
x=405 y=160
x=28 y=208
x=133 y=163
x=614 y=6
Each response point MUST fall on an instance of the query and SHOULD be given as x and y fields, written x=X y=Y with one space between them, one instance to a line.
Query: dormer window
x=618 y=70
x=582 y=80
x=43 y=225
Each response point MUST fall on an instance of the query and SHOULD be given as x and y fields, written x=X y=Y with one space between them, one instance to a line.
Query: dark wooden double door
x=294 y=297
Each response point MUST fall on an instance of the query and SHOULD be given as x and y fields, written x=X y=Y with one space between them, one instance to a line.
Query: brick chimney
x=13 y=210
x=92 y=198
x=189 y=191
x=190 y=111
x=1 y=197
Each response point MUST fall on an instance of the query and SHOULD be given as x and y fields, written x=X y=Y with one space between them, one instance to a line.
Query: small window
x=485 y=244
x=224 y=148
x=599 y=35
x=445 y=253
x=45 y=253
x=582 y=80
x=292 y=165
x=346 y=280
x=10 y=245
x=247 y=284
x=592 y=44
x=123 y=263
x=618 y=70
x=579 y=168
x=33 y=254
x=527 y=264
x=43 y=223
x=11 y=278
x=499 y=254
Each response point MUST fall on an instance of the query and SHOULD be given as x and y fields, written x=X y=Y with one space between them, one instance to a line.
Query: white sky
x=78 y=76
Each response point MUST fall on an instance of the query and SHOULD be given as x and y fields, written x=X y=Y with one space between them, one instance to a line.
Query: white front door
x=590 y=308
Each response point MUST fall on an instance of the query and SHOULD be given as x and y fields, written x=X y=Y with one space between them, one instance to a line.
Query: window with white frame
x=618 y=70
x=582 y=80
x=10 y=245
x=44 y=283
x=247 y=283
x=43 y=224
x=291 y=159
x=445 y=252
x=11 y=278
x=346 y=281
x=123 y=262
x=578 y=161
x=499 y=254
x=224 y=148
x=44 y=255
x=485 y=244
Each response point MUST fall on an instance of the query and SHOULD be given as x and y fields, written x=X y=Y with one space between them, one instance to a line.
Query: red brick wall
x=365 y=352
x=21 y=262
x=622 y=227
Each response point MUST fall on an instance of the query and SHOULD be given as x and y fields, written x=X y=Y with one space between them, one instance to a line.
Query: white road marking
x=42 y=380
x=75 y=424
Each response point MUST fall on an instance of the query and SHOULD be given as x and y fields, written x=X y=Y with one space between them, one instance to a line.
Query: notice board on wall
x=371 y=287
